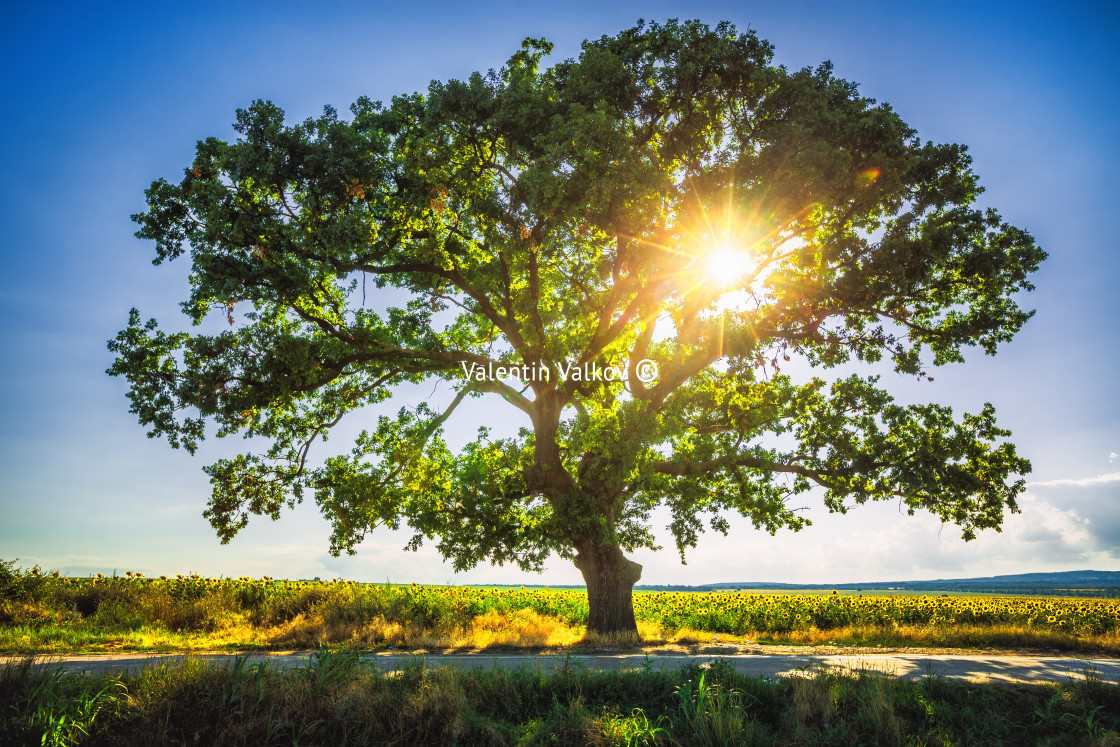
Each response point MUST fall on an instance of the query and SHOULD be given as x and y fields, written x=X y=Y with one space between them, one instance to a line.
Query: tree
x=648 y=233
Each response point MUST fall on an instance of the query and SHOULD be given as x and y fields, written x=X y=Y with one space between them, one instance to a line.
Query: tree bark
x=610 y=579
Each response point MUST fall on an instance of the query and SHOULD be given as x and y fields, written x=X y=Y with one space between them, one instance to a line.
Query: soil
x=739 y=649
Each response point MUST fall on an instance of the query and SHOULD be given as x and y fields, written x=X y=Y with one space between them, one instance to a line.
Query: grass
x=339 y=699
x=1005 y=636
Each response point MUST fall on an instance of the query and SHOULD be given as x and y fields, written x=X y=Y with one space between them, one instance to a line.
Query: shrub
x=15 y=585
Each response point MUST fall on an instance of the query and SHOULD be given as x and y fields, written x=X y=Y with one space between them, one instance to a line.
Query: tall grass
x=340 y=699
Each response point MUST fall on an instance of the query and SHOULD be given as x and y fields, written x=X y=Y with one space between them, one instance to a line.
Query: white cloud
x=876 y=543
x=1093 y=501
x=1048 y=523
x=1113 y=456
x=1082 y=483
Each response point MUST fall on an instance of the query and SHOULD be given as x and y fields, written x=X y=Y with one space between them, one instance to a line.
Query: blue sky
x=100 y=99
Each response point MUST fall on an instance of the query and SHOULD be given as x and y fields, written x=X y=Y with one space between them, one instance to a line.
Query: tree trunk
x=610 y=579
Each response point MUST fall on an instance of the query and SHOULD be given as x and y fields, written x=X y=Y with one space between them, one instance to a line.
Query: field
x=44 y=612
x=341 y=699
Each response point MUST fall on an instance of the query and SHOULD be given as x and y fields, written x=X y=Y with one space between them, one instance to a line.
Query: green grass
x=339 y=699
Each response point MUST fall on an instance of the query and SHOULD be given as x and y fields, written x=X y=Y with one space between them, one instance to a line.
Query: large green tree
x=669 y=200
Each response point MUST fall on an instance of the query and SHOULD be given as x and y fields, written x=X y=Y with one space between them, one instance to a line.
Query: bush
x=15 y=585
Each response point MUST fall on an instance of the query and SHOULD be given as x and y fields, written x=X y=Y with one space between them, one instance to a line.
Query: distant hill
x=1071 y=583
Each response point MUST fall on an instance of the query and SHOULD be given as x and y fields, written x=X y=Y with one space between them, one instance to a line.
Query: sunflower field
x=36 y=606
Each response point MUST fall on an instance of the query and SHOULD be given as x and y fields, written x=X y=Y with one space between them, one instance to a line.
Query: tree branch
x=678 y=469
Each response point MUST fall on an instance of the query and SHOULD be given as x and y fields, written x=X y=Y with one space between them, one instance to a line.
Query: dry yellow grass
x=520 y=629
x=959 y=635
x=653 y=634
x=526 y=629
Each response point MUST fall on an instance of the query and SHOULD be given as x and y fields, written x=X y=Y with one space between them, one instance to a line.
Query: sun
x=728 y=264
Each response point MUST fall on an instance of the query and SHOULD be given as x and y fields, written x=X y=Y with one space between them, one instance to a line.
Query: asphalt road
x=980 y=668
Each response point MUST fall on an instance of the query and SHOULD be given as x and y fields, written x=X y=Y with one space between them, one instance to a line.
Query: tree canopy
x=670 y=208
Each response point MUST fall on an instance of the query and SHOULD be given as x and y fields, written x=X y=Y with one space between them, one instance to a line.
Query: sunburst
x=727 y=264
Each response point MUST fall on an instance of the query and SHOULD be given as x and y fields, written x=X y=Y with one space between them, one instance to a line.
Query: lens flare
x=727 y=264
x=867 y=177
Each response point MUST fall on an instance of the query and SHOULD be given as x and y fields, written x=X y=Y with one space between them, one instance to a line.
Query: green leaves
x=147 y=358
x=862 y=446
x=566 y=217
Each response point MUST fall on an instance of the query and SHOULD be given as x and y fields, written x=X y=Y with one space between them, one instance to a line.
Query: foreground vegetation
x=42 y=612
x=340 y=699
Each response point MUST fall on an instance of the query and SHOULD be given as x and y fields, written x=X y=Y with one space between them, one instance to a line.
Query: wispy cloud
x=1082 y=483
